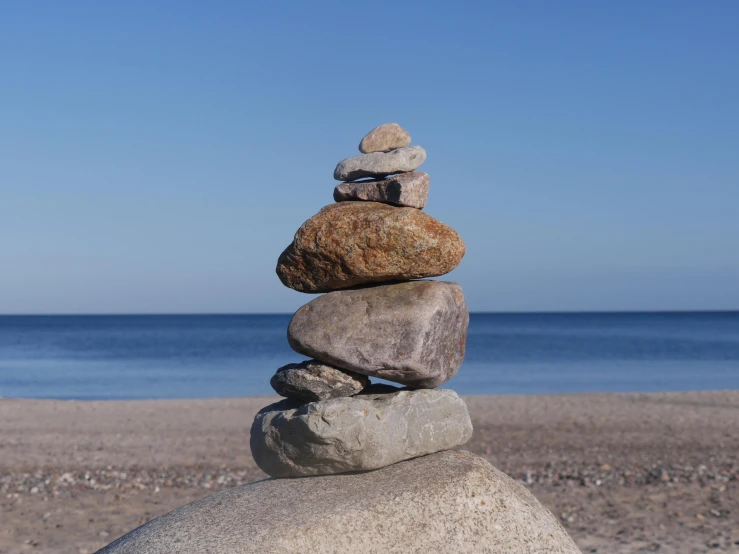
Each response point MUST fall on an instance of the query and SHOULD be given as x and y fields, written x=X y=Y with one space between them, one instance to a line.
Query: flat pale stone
x=355 y=243
x=411 y=333
x=384 y=138
x=380 y=164
x=405 y=189
x=446 y=503
x=311 y=381
x=360 y=433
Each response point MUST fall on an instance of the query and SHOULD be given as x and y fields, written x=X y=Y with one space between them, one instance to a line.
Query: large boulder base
x=411 y=333
x=380 y=164
x=355 y=243
x=357 y=434
x=446 y=503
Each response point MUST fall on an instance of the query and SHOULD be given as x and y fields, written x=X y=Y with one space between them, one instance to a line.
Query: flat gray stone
x=380 y=164
x=357 y=434
x=384 y=138
x=405 y=189
x=311 y=381
x=446 y=503
x=411 y=333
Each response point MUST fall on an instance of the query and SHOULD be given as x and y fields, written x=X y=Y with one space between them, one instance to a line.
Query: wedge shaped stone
x=380 y=164
x=411 y=333
x=360 y=433
x=311 y=381
x=355 y=243
x=404 y=189
x=447 y=503
x=384 y=138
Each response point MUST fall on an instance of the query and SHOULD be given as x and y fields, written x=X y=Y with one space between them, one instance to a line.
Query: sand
x=623 y=472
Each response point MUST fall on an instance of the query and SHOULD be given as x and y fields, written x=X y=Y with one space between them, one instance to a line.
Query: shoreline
x=622 y=471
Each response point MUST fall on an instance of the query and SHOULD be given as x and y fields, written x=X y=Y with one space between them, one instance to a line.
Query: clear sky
x=158 y=156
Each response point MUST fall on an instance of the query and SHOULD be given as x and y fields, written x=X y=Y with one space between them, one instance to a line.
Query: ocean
x=204 y=356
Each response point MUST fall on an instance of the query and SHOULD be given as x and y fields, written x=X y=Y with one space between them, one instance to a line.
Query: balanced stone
x=405 y=189
x=311 y=381
x=384 y=138
x=360 y=433
x=380 y=164
x=447 y=503
x=410 y=333
x=355 y=243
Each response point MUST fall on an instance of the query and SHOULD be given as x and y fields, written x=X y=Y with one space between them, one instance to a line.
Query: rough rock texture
x=447 y=503
x=355 y=243
x=405 y=189
x=384 y=138
x=357 y=434
x=311 y=381
x=411 y=333
x=380 y=164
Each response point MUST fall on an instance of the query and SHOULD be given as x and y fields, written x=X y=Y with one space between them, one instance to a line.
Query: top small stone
x=384 y=138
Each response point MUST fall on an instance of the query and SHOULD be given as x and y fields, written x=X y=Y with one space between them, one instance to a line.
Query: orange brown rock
x=357 y=243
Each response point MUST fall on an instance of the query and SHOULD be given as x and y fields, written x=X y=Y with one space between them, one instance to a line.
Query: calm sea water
x=200 y=356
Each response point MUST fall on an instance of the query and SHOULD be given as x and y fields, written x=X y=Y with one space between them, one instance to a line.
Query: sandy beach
x=622 y=472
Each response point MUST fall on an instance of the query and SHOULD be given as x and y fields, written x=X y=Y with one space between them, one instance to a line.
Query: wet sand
x=622 y=472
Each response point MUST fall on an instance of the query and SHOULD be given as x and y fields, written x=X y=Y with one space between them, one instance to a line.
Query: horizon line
x=482 y=312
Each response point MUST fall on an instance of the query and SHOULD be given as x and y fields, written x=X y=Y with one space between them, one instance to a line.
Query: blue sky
x=158 y=156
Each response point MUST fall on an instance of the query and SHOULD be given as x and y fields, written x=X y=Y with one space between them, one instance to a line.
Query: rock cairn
x=375 y=320
x=367 y=252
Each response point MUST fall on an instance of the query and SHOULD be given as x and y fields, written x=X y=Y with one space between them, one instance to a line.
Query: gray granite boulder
x=405 y=189
x=357 y=434
x=311 y=381
x=411 y=333
x=384 y=138
x=380 y=164
x=446 y=503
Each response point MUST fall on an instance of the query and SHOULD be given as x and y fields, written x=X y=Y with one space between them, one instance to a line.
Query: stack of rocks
x=376 y=319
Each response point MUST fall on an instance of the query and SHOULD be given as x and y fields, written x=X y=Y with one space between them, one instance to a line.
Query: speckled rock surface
x=357 y=434
x=384 y=138
x=380 y=164
x=411 y=333
x=405 y=189
x=446 y=503
x=311 y=381
x=355 y=243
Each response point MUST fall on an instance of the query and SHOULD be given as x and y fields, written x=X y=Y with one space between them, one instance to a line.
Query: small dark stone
x=312 y=381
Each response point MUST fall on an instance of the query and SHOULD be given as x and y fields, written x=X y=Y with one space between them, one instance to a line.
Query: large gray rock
x=412 y=333
x=311 y=381
x=380 y=164
x=405 y=189
x=384 y=138
x=446 y=503
x=357 y=434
